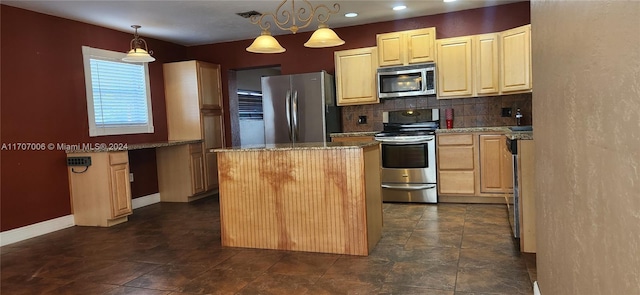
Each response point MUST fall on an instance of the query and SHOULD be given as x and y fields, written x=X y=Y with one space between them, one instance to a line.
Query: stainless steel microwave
x=414 y=80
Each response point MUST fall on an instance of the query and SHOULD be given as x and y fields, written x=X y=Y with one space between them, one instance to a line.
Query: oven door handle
x=409 y=188
x=421 y=141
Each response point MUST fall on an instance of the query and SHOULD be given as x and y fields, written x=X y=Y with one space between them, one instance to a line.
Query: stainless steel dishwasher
x=513 y=203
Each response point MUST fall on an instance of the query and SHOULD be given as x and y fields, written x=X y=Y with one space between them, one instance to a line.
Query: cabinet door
x=120 y=190
x=210 y=88
x=420 y=45
x=391 y=49
x=213 y=139
x=515 y=45
x=454 y=67
x=356 y=76
x=486 y=64
x=495 y=171
x=197 y=173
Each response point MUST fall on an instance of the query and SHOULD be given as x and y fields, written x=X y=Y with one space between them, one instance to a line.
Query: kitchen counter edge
x=354 y=134
x=298 y=146
x=108 y=147
x=513 y=135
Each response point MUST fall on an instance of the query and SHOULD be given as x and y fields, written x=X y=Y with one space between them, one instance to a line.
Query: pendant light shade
x=138 y=51
x=265 y=43
x=324 y=37
x=138 y=55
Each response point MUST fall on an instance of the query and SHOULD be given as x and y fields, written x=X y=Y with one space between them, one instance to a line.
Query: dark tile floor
x=175 y=249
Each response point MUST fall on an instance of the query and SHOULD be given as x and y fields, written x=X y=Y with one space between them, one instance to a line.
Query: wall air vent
x=248 y=14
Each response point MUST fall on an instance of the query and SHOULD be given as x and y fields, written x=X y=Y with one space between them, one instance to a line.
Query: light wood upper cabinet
x=496 y=175
x=515 y=55
x=454 y=67
x=356 y=76
x=391 y=49
x=406 y=47
x=209 y=85
x=486 y=59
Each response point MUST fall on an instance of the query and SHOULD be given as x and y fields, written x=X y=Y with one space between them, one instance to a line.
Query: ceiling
x=191 y=23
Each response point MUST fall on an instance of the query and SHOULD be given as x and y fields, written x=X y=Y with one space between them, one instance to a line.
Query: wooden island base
x=314 y=198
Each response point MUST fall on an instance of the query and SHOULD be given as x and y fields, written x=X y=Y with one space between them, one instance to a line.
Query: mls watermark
x=42 y=146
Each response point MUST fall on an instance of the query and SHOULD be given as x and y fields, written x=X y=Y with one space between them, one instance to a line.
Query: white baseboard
x=536 y=289
x=36 y=229
x=145 y=201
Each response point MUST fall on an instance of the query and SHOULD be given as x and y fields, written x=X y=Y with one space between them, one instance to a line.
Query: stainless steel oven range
x=408 y=144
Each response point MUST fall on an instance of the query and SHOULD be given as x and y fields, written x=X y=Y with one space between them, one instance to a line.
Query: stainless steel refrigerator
x=299 y=108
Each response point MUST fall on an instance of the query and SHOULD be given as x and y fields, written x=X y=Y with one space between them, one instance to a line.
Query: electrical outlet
x=506 y=112
x=130 y=177
x=362 y=119
x=79 y=161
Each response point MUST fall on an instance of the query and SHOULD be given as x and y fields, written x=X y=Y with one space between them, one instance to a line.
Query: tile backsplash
x=467 y=112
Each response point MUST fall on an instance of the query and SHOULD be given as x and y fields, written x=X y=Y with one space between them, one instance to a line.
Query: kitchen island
x=314 y=197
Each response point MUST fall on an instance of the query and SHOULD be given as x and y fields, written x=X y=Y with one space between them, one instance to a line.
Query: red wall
x=43 y=92
x=43 y=100
x=299 y=59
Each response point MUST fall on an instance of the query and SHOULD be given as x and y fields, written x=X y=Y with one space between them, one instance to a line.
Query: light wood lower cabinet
x=473 y=168
x=101 y=195
x=496 y=172
x=456 y=164
x=181 y=175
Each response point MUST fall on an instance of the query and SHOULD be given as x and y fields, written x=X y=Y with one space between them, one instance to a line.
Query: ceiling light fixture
x=138 y=51
x=322 y=37
x=399 y=7
x=350 y=14
x=446 y=1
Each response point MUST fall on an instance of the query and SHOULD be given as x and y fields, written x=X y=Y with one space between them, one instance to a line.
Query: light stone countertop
x=518 y=135
x=354 y=134
x=116 y=147
x=298 y=146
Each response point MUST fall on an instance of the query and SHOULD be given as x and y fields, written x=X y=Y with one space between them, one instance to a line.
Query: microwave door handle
x=424 y=81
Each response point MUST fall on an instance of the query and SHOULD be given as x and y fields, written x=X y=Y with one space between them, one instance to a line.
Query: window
x=118 y=94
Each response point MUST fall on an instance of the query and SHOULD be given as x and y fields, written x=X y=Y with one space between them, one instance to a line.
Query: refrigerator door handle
x=296 y=130
x=287 y=101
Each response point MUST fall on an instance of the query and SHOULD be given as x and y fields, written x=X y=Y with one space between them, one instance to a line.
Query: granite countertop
x=518 y=135
x=354 y=134
x=299 y=146
x=115 y=147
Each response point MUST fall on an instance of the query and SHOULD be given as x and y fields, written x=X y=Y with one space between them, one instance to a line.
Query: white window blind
x=118 y=98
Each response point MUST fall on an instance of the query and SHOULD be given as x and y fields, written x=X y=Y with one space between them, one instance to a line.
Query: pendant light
x=295 y=19
x=138 y=51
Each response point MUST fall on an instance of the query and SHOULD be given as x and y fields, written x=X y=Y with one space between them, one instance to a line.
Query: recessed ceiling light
x=449 y=0
x=399 y=7
x=351 y=14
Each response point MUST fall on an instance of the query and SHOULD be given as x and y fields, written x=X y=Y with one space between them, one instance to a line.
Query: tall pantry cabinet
x=193 y=94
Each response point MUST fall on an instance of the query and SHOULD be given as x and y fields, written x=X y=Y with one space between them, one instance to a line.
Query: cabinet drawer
x=456 y=182
x=195 y=148
x=456 y=158
x=118 y=158
x=455 y=139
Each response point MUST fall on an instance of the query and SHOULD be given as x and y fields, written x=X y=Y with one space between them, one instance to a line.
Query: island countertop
x=299 y=146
